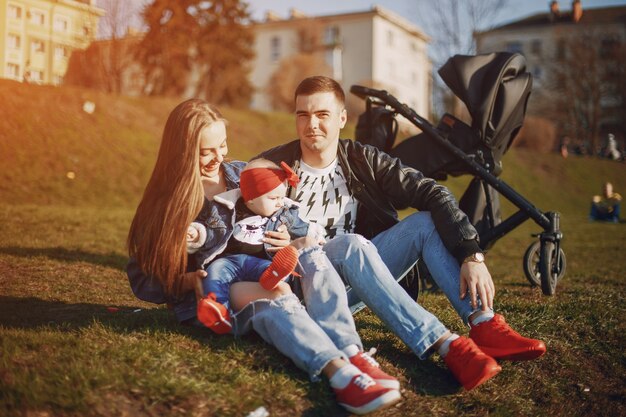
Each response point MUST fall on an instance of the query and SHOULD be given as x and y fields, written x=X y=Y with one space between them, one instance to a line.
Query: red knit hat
x=255 y=182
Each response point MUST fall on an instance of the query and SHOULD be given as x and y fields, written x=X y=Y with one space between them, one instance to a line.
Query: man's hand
x=476 y=278
x=278 y=239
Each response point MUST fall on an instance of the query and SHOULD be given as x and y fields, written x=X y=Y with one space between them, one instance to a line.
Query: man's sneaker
x=470 y=366
x=283 y=264
x=214 y=315
x=363 y=395
x=368 y=365
x=498 y=340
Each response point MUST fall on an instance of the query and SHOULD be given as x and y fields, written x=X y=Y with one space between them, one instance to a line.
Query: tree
x=104 y=64
x=452 y=24
x=291 y=70
x=583 y=86
x=198 y=48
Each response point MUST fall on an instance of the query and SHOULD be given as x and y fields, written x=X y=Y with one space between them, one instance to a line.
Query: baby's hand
x=196 y=236
x=192 y=234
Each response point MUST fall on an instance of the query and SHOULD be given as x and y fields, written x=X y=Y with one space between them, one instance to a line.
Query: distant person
x=611 y=150
x=564 y=148
x=321 y=338
x=606 y=207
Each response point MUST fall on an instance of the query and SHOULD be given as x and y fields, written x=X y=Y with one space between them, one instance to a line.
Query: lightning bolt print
x=325 y=201
x=338 y=198
x=310 y=203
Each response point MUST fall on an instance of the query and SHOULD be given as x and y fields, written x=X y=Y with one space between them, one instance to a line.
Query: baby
x=226 y=240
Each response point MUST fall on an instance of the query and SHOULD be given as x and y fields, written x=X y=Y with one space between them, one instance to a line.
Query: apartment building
x=37 y=37
x=576 y=57
x=375 y=47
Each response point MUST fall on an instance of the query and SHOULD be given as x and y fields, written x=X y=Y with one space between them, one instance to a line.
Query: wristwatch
x=475 y=257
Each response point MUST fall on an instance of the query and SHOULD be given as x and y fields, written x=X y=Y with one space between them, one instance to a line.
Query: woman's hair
x=320 y=84
x=173 y=197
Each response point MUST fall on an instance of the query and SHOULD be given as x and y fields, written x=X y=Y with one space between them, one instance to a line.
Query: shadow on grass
x=32 y=312
x=426 y=377
x=35 y=313
x=111 y=260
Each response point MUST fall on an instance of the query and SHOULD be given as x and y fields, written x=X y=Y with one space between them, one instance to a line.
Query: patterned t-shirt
x=324 y=199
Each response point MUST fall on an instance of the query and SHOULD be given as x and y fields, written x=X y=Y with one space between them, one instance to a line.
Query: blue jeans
x=602 y=213
x=372 y=269
x=222 y=272
x=310 y=336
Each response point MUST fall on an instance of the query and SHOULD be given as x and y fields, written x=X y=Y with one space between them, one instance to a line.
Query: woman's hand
x=192 y=281
x=476 y=278
x=278 y=239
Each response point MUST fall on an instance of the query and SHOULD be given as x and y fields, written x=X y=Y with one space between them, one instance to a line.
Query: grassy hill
x=75 y=341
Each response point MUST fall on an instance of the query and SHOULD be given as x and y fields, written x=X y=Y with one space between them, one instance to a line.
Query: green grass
x=75 y=341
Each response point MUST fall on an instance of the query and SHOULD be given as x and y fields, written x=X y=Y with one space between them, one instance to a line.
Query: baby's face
x=268 y=203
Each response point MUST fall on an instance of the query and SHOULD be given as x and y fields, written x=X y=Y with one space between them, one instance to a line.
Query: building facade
x=376 y=48
x=37 y=37
x=576 y=57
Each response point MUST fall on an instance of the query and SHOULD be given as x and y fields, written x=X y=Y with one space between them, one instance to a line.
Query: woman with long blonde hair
x=321 y=338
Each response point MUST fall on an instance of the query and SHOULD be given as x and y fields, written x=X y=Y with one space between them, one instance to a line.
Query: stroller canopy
x=495 y=88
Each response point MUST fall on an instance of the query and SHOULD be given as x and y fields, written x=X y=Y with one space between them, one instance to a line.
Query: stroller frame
x=544 y=261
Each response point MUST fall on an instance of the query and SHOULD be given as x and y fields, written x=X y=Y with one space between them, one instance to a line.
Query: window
x=535 y=47
x=61 y=24
x=514 y=47
x=36 y=75
x=13 y=41
x=60 y=52
x=609 y=48
x=561 y=52
x=331 y=35
x=37 y=17
x=389 y=38
x=13 y=70
x=57 y=79
x=15 y=12
x=275 y=49
x=37 y=46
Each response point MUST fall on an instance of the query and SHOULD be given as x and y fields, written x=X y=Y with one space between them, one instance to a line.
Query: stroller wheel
x=532 y=264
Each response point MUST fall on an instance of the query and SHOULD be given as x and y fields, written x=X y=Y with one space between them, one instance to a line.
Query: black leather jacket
x=382 y=185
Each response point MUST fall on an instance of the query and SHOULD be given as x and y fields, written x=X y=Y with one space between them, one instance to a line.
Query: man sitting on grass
x=354 y=191
x=606 y=207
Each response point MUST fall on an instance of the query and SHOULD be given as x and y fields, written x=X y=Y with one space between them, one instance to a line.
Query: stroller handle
x=388 y=99
x=363 y=92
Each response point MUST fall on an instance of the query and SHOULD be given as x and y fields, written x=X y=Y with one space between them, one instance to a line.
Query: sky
x=409 y=8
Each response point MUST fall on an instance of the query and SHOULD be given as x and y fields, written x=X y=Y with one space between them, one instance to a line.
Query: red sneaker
x=469 y=365
x=363 y=395
x=368 y=365
x=214 y=315
x=283 y=264
x=498 y=340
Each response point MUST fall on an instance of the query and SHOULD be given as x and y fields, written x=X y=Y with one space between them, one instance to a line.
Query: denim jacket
x=148 y=288
x=218 y=217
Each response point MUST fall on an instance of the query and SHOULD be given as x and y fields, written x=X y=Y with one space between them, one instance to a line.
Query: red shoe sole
x=515 y=354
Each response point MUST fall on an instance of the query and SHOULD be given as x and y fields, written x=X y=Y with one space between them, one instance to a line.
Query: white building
x=551 y=43
x=376 y=48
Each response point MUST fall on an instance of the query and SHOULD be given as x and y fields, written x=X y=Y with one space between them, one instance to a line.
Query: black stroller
x=495 y=88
